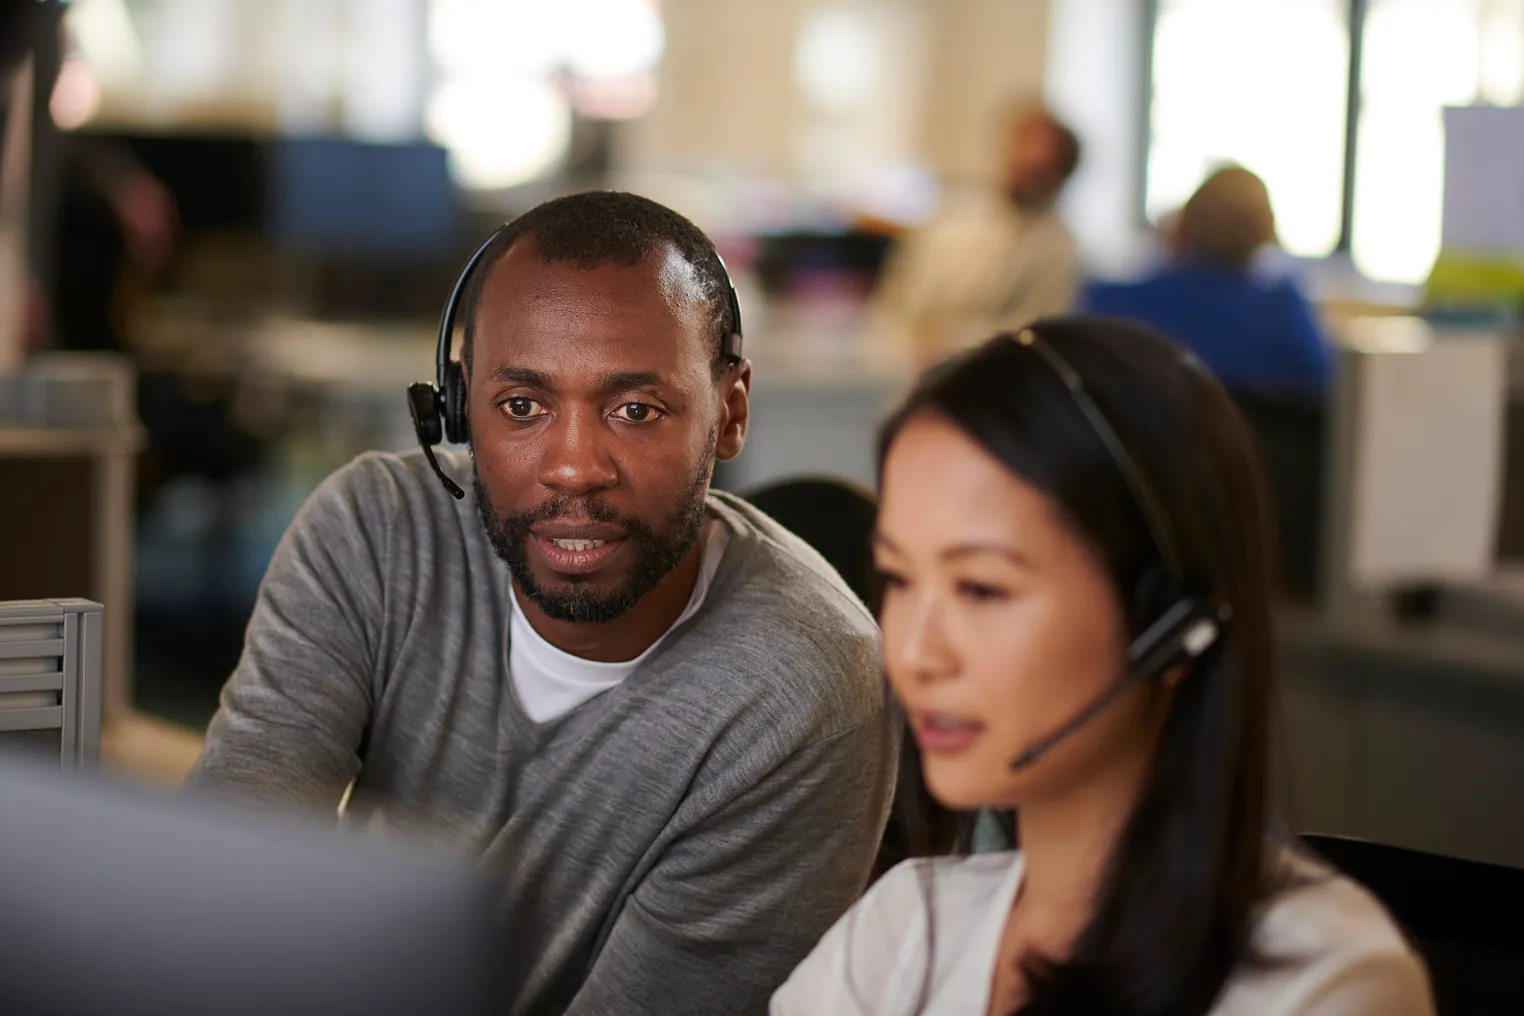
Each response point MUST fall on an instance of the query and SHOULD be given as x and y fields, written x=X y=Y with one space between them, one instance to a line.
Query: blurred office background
x=257 y=209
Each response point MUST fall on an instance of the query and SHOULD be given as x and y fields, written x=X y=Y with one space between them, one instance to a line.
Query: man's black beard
x=656 y=553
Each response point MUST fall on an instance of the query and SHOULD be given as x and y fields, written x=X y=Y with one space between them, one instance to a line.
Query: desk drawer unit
x=50 y=681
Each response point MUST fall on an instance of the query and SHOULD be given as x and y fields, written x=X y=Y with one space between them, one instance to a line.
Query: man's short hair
x=1067 y=157
x=597 y=228
x=1067 y=148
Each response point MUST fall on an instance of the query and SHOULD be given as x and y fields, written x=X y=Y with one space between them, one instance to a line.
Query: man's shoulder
x=385 y=504
x=785 y=629
x=1048 y=229
x=777 y=568
x=380 y=484
x=400 y=472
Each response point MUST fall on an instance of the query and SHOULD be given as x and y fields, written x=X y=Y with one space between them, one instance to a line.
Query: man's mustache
x=590 y=508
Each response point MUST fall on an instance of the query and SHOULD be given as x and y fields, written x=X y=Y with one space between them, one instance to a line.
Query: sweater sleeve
x=294 y=712
x=743 y=896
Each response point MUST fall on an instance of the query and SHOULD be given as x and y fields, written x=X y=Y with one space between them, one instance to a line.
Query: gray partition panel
x=50 y=680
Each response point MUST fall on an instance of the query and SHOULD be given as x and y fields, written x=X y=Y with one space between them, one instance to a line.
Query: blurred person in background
x=996 y=257
x=1252 y=327
x=116 y=232
x=655 y=713
x=1077 y=621
x=24 y=24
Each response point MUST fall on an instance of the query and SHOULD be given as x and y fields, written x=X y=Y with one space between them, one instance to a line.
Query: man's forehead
x=639 y=315
x=662 y=273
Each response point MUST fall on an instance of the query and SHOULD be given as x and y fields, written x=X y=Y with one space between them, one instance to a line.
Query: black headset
x=439 y=409
x=1180 y=633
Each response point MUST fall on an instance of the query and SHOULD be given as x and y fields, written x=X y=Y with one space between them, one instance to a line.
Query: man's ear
x=735 y=411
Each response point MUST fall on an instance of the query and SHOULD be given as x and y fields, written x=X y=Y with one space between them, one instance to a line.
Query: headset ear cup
x=1153 y=594
x=454 y=399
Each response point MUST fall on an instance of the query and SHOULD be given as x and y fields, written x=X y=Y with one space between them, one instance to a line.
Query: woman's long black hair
x=1174 y=910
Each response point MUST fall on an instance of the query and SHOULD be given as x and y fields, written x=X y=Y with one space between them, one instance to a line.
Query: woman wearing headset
x=1077 y=621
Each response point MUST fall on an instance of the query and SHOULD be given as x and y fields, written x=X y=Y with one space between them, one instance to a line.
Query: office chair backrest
x=1462 y=916
x=1290 y=435
x=833 y=516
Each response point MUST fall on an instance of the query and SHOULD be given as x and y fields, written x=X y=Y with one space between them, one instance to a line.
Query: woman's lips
x=942 y=734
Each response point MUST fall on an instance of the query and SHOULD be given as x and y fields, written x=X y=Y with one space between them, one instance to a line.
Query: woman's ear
x=735 y=411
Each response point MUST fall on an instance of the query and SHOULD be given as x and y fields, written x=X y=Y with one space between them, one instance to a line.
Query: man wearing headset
x=657 y=714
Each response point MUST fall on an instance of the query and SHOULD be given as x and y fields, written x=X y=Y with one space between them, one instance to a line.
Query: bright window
x=1264 y=83
x=1275 y=106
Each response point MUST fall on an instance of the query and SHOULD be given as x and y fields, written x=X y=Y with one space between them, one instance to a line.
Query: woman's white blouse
x=936 y=925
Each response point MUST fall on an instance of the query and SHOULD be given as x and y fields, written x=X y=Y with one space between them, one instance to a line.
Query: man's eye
x=522 y=408
x=637 y=412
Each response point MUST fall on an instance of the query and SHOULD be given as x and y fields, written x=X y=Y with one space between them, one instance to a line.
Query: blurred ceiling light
x=611 y=38
x=837 y=60
x=76 y=97
x=499 y=132
x=595 y=38
x=103 y=31
x=495 y=36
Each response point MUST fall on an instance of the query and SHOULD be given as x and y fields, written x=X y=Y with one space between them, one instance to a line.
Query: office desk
x=1411 y=735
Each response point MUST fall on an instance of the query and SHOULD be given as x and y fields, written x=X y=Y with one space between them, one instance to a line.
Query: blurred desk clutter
x=1417 y=450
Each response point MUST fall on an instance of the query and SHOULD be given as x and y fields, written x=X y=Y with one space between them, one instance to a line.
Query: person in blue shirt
x=1253 y=328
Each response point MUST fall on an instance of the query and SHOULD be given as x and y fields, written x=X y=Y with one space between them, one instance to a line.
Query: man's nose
x=576 y=457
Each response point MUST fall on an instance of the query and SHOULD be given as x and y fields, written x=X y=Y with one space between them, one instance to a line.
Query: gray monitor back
x=114 y=900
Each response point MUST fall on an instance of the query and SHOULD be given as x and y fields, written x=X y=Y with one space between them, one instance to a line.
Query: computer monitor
x=339 y=198
x=113 y=900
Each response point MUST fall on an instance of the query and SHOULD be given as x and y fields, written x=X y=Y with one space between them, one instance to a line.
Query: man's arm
x=295 y=710
x=738 y=901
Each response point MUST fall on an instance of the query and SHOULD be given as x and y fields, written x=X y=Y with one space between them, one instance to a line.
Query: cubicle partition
x=50 y=681
x=68 y=445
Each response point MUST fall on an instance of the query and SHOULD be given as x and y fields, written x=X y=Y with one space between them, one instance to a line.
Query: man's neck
x=629 y=635
x=1030 y=207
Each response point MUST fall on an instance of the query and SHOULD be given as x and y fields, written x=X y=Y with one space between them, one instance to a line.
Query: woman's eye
x=891 y=579
x=637 y=412
x=521 y=407
x=979 y=592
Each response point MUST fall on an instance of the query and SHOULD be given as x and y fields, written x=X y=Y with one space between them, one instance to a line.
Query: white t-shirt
x=551 y=682
x=1343 y=955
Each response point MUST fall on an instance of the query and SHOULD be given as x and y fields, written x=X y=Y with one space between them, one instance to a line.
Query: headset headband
x=1154 y=517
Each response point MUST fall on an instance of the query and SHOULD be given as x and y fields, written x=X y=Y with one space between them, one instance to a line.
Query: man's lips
x=577 y=548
